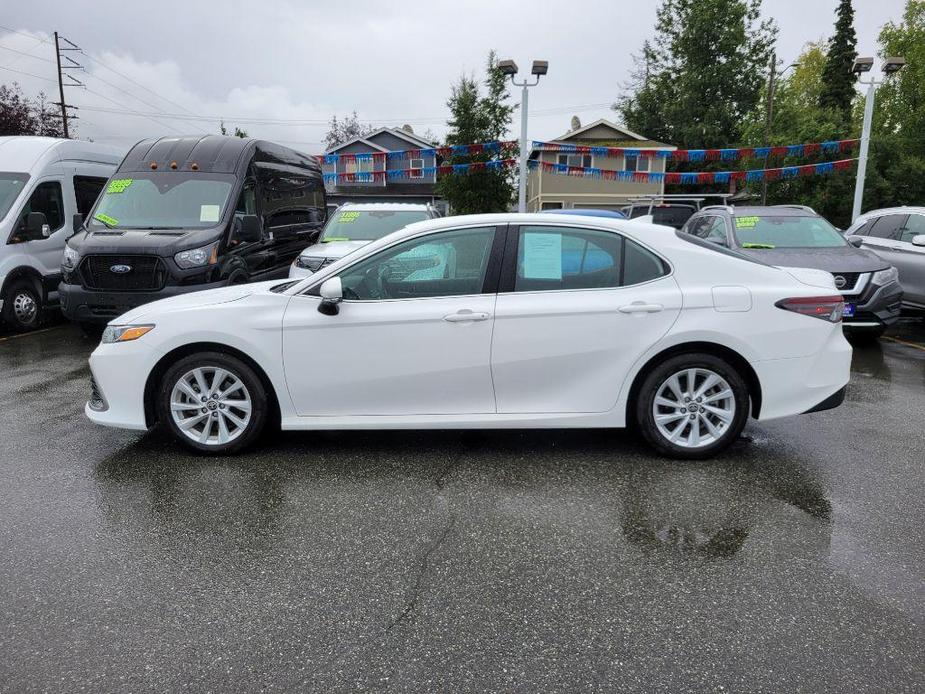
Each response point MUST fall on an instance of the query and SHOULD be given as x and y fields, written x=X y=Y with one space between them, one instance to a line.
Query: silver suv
x=897 y=234
x=352 y=226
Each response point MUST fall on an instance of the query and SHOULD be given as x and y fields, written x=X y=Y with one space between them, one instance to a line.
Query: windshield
x=368 y=225
x=755 y=232
x=163 y=201
x=11 y=185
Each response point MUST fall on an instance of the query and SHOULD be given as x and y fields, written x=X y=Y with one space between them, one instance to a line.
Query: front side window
x=915 y=225
x=767 y=232
x=47 y=199
x=451 y=263
x=711 y=229
x=367 y=225
x=11 y=185
x=162 y=201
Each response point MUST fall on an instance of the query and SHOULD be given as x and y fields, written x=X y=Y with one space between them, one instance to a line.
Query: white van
x=44 y=183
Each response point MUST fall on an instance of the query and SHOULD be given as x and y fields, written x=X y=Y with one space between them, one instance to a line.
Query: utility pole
x=768 y=119
x=72 y=65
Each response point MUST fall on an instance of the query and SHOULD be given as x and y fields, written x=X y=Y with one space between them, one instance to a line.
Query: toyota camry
x=487 y=321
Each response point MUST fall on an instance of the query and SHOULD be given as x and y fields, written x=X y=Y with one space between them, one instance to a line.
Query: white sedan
x=487 y=321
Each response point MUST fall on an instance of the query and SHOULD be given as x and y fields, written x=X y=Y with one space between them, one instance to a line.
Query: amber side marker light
x=194 y=166
x=173 y=165
x=153 y=165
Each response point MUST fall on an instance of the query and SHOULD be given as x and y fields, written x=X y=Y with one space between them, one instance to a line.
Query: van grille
x=145 y=273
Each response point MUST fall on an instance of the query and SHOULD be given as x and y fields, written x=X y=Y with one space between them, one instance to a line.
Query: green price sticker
x=106 y=219
x=118 y=185
x=348 y=216
x=746 y=222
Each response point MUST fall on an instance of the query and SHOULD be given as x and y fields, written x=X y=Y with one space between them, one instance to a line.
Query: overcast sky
x=392 y=62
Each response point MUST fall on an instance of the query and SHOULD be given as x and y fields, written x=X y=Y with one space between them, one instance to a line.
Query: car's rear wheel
x=213 y=403
x=692 y=406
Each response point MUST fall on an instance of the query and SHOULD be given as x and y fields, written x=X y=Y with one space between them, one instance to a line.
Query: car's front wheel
x=692 y=406
x=213 y=402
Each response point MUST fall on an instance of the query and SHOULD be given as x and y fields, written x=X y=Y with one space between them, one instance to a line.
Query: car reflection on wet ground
x=462 y=561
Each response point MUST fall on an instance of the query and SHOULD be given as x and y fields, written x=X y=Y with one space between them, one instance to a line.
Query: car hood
x=842 y=259
x=333 y=249
x=208 y=297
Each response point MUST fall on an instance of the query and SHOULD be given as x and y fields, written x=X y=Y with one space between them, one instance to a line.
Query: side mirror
x=918 y=240
x=248 y=228
x=78 y=223
x=332 y=293
x=856 y=241
x=37 y=226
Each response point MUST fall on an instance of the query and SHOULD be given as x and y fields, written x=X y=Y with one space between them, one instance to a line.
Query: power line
x=28 y=55
x=103 y=110
x=28 y=74
x=22 y=33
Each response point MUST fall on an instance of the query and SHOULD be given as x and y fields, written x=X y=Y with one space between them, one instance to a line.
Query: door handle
x=640 y=307
x=465 y=316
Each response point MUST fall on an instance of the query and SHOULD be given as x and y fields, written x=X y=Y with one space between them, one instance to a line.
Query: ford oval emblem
x=120 y=269
x=840 y=281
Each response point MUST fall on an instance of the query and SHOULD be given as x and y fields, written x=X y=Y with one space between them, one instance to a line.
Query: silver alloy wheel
x=211 y=405
x=24 y=307
x=693 y=408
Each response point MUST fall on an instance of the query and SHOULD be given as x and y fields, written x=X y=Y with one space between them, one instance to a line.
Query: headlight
x=891 y=274
x=308 y=262
x=197 y=257
x=70 y=257
x=124 y=333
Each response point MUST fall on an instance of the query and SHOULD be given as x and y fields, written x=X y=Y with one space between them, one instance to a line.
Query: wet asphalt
x=464 y=562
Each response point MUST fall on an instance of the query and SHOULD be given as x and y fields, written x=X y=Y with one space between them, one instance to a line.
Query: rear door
x=577 y=308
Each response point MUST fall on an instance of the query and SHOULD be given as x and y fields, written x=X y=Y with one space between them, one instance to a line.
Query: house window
x=355 y=166
x=415 y=167
x=574 y=160
x=633 y=162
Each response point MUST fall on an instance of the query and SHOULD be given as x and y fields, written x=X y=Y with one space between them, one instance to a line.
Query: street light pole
x=509 y=68
x=865 y=145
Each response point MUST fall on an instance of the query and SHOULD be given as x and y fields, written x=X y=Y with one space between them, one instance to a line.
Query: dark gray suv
x=795 y=236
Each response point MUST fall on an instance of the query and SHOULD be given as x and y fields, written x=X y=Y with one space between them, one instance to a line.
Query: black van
x=183 y=214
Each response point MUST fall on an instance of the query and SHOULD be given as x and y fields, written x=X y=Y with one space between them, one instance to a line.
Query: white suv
x=352 y=226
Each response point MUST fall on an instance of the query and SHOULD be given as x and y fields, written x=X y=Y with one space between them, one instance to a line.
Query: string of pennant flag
x=395 y=174
x=728 y=154
x=695 y=177
x=497 y=147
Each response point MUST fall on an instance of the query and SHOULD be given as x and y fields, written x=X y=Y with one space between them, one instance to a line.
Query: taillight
x=830 y=308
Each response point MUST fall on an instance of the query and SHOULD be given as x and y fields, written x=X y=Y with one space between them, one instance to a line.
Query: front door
x=412 y=336
x=47 y=198
x=575 y=312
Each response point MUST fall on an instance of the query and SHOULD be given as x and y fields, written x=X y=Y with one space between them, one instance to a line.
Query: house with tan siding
x=549 y=190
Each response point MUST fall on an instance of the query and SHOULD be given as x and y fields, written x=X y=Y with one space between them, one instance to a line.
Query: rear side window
x=292 y=200
x=86 y=190
x=669 y=215
x=887 y=226
x=559 y=259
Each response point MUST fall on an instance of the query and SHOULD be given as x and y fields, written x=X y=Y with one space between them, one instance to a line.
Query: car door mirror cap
x=37 y=226
x=856 y=241
x=248 y=228
x=332 y=293
x=918 y=240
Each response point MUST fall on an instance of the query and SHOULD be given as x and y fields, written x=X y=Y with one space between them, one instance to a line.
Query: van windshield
x=11 y=185
x=162 y=201
x=368 y=225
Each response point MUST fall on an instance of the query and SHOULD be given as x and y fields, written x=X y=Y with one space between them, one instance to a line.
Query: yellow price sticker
x=118 y=185
x=348 y=216
x=746 y=222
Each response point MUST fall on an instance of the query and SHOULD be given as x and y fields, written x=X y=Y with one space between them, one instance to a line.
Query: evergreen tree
x=837 y=78
x=478 y=118
x=237 y=131
x=703 y=72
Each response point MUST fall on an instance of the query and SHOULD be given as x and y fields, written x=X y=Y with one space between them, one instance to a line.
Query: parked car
x=353 y=226
x=589 y=212
x=672 y=214
x=795 y=236
x=660 y=330
x=183 y=214
x=897 y=235
x=44 y=182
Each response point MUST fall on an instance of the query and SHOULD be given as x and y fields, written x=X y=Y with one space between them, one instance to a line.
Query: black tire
x=253 y=387
x=653 y=382
x=22 y=305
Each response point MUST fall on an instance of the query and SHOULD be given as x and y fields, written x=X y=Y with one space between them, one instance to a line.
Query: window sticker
x=209 y=213
x=542 y=256
x=347 y=217
x=106 y=219
x=746 y=222
x=118 y=185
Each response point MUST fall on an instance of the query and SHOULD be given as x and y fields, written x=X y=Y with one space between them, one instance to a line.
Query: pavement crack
x=421 y=573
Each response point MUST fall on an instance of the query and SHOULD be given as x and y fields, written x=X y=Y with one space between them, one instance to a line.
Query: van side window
x=47 y=199
x=86 y=190
x=291 y=200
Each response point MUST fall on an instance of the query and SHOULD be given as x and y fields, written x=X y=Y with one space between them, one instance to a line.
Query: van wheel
x=22 y=305
x=692 y=406
x=213 y=403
